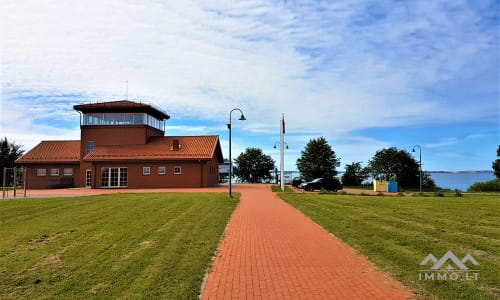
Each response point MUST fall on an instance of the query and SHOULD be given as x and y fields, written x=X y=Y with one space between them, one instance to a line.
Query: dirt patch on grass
x=146 y=244
x=98 y=287
x=142 y=246
x=52 y=260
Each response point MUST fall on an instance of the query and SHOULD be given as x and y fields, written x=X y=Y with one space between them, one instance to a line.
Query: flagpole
x=282 y=154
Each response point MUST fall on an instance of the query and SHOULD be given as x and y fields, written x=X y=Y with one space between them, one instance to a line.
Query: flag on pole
x=283 y=124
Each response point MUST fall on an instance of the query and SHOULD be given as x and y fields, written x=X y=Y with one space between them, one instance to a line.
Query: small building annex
x=123 y=145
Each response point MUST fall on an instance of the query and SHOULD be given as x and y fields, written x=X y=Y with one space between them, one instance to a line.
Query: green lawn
x=155 y=245
x=277 y=188
x=397 y=233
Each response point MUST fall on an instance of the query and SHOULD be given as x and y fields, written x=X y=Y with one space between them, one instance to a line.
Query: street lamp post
x=419 y=164
x=242 y=118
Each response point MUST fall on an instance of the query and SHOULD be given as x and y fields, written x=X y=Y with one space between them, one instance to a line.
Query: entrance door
x=88 y=178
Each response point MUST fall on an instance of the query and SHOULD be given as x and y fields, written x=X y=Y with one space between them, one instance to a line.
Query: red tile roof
x=52 y=152
x=161 y=148
x=122 y=106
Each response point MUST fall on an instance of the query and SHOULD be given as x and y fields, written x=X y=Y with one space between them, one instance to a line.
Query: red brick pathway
x=272 y=251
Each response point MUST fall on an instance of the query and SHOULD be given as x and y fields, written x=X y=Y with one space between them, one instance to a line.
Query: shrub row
x=487 y=186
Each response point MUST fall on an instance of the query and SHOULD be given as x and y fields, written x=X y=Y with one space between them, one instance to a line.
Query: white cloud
x=443 y=143
x=331 y=67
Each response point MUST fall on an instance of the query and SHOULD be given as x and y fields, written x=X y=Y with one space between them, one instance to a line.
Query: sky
x=366 y=75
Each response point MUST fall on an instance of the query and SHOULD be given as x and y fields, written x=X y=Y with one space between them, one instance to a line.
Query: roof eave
x=127 y=106
x=152 y=159
x=40 y=162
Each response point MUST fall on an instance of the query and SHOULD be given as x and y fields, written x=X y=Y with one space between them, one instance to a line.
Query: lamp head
x=274 y=146
x=413 y=150
x=242 y=118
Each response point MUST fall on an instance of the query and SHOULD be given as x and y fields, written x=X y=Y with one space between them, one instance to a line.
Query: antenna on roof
x=126 y=89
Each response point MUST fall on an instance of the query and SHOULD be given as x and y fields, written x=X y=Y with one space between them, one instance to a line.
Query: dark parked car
x=296 y=181
x=330 y=184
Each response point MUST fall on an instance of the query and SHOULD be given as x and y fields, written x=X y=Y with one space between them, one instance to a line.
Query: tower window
x=90 y=146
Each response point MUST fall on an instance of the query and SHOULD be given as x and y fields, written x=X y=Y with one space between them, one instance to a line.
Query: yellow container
x=380 y=186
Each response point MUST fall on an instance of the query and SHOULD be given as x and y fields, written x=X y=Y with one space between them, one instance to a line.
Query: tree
x=253 y=165
x=427 y=181
x=9 y=153
x=318 y=160
x=399 y=165
x=354 y=174
x=496 y=164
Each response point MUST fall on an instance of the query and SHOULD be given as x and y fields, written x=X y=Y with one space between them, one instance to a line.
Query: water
x=460 y=180
x=447 y=180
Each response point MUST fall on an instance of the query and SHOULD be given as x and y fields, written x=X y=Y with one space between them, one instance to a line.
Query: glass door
x=88 y=178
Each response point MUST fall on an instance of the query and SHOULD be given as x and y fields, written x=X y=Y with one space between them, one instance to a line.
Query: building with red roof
x=123 y=145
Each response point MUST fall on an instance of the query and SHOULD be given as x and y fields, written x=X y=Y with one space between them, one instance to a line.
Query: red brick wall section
x=193 y=174
x=84 y=166
x=212 y=172
x=33 y=181
x=116 y=135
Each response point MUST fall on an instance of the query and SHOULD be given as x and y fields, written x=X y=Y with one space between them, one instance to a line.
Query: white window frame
x=146 y=171
x=162 y=170
x=54 y=172
x=41 y=172
x=177 y=170
x=120 y=181
x=68 y=172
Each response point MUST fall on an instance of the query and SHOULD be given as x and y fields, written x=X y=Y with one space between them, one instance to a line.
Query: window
x=146 y=171
x=54 y=172
x=177 y=170
x=90 y=146
x=114 y=177
x=123 y=177
x=41 y=172
x=123 y=118
x=68 y=171
x=162 y=170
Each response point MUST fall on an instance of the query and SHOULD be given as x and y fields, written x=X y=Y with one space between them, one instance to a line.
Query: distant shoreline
x=447 y=172
x=455 y=172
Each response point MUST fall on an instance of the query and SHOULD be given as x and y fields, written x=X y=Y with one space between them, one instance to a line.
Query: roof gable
x=52 y=152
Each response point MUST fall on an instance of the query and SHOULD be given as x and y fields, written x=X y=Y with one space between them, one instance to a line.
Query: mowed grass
x=397 y=233
x=128 y=246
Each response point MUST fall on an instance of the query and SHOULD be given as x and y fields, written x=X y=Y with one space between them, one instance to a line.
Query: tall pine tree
x=318 y=160
x=9 y=153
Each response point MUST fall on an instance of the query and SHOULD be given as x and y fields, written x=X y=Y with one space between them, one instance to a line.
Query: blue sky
x=366 y=75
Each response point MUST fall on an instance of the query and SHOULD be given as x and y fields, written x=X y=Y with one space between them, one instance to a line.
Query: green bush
x=439 y=194
x=458 y=193
x=487 y=186
x=420 y=195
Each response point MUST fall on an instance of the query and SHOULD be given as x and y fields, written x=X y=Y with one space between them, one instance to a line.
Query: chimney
x=175 y=145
